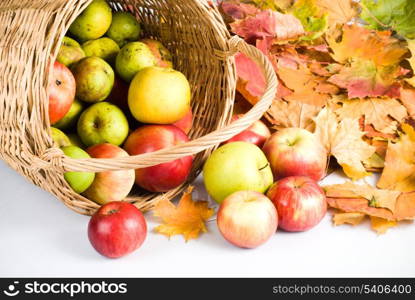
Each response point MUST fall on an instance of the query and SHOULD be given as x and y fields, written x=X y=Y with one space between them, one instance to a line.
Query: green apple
x=124 y=28
x=60 y=138
x=76 y=140
x=93 y=22
x=79 y=181
x=104 y=48
x=234 y=167
x=70 y=52
x=71 y=117
x=103 y=123
x=132 y=58
x=94 y=79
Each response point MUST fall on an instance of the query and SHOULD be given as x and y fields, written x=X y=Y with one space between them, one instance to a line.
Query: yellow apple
x=159 y=96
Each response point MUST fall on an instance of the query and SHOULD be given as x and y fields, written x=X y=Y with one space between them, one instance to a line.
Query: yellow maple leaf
x=339 y=11
x=376 y=112
x=351 y=218
x=284 y=114
x=187 y=218
x=399 y=171
x=380 y=225
x=343 y=140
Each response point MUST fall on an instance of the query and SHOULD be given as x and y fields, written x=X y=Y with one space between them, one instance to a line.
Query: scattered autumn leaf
x=376 y=111
x=187 y=218
x=377 y=198
x=371 y=61
x=381 y=226
x=351 y=218
x=343 y=140
x=284 y=114
x=399 y=171
x=339 y=11
x=268 y=24
x=313 y=18
x=408 y=100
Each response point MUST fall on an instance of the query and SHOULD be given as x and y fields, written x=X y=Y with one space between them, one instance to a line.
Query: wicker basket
x=31 y=32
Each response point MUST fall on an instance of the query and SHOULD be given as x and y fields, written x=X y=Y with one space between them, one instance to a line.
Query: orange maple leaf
x=187 y=218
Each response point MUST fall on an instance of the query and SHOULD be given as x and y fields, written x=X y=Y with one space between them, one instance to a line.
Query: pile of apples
x=240 y=177
x=112 y=95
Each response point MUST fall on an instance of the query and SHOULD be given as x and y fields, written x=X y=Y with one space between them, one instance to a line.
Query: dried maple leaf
x=408 y=100
x=268 y=24
x=187 y=218
x=411 y=47
x=351 y=218
x=339 y=11
x=343 y=140
x=399 y=171
x=377 y=198
x=381 y=226
x=349 y=201
x=377 y=112
x=251 y=81
x=234 y=10
x=371 y=61
x=306 y=87
x=292 y=114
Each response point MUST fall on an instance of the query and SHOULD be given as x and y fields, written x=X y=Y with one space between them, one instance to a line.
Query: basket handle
x=236 y=44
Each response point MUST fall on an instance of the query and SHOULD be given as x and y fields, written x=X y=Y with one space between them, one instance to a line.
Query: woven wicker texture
x=31 y=32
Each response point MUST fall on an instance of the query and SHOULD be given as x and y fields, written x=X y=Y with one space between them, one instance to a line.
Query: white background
x=39 y=236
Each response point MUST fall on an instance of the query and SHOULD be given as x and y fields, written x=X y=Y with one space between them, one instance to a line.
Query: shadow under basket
x=193 y=30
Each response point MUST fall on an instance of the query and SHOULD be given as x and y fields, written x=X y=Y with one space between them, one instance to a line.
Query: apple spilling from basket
x=115 y=94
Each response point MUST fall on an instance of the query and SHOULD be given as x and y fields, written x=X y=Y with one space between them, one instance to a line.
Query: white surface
x=39 y=236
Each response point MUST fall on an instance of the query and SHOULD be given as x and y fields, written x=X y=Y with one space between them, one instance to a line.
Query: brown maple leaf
x=343 y=140
x=376 y=111
x=187 y=218
x=408 y=100
x=284 y=114
x=399 y=171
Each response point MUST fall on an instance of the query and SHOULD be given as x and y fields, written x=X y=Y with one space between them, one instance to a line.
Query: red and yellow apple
x=111 y=185
x=296 y=152
x=162 y=177
x=62 y=89
x=159 y=96
x=186 y=122
x=163 y=56
x=256 y=134
x=117 y=229
x=300 y=202
x=247 y=219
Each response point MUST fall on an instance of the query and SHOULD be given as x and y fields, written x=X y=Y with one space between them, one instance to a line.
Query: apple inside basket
x=139 y=94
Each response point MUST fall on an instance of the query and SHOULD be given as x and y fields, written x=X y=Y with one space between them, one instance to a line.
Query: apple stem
x=260 y=169
x=58 y=82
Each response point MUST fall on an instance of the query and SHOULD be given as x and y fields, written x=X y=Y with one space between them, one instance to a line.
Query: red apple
x=162 y=177
x=186 y=122
x=300 y=202
x=117 y=229
x=119 y=94
x=61 y=92
x=296 y=152
x=112 y=185
x=256 y=134
x=247 y=219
